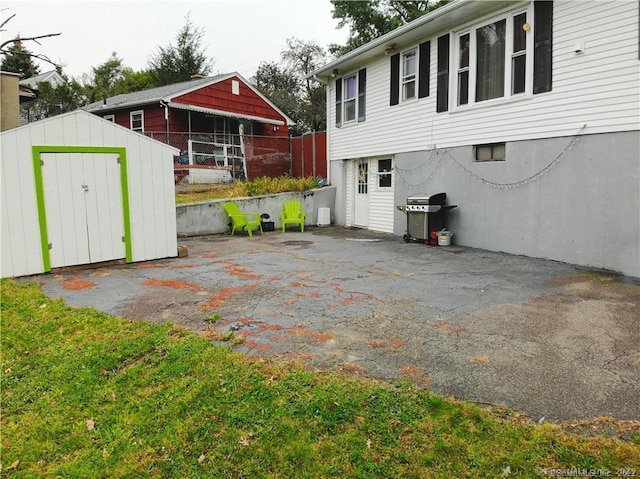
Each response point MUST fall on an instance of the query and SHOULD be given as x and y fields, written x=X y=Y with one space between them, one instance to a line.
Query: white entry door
x=361 y=194
x=83 y=206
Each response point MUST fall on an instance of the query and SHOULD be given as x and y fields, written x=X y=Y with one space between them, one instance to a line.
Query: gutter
x=182 y=106
x=385 y=40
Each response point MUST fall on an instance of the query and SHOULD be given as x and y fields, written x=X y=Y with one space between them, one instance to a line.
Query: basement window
x=491 y=152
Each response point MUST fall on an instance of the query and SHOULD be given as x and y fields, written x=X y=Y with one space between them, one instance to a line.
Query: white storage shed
x=77 y=189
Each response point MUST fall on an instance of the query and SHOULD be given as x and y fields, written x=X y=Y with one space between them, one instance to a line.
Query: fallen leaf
x=368 y=443
x=14 y=465
x=105 y=454
x=243 y=441
x=201 y=459
x=90 y=424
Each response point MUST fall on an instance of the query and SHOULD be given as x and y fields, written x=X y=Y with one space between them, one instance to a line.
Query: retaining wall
x=209 y=217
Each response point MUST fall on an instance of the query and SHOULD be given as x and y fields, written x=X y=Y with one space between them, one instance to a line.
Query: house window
x=492 y=152
x=409 y=75
x=137 y=120
x=492 y=60
x=350 y=90
x=411 y=71
x=111 y=118
x=235 y=87
x=351 y=97
x=384 y=173
x=519 y=54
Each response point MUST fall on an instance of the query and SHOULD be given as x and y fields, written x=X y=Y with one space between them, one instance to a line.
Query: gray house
x=525 y=113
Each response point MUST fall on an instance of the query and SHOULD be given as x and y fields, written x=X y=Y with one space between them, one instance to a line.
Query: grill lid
x=422 y=199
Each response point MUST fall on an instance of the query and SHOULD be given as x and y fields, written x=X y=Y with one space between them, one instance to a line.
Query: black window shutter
x=362 y=94
x=424 y=69
x=542 y=49
x=394 y=99
x=339 y=102
x=442 y=103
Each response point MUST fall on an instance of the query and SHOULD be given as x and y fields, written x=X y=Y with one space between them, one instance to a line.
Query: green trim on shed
x=38 y=150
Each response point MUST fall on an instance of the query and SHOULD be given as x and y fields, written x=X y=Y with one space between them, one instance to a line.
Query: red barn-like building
x=218 y=122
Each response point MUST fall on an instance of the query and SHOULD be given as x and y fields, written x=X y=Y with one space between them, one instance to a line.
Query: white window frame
x=387 y=174
x=111 y=118
x=131 y=119
x=409 y=78
x=454 y=92
x=496 y=152
x=353 y=100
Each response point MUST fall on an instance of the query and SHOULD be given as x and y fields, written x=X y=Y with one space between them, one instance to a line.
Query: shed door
x=83 y=205
x=361 y=194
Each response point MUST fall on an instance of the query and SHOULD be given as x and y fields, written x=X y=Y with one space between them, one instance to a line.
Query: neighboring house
x=221 y=113
x=525 y=113
x=52 y=77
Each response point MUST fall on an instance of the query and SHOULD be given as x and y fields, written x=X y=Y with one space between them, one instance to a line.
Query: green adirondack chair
x=292 y=214
x=240 y=220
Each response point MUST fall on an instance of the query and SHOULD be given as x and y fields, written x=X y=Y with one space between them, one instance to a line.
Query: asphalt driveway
x=547 y=339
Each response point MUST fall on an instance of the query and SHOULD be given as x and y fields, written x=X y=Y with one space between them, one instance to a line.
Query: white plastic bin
x=324 y=216
x=444 y=238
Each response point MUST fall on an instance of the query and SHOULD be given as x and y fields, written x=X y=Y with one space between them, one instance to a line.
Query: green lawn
x=88 y=395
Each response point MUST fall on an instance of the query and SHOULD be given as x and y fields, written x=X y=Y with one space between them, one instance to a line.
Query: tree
x=133 y=81
x=287 y=85
x=104 y=78
x=369 y=20
x=52 y=101
x=280 y=85
x=18 y=59
x=173 y=64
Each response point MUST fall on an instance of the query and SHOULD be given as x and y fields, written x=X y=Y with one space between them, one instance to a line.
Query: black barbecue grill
x=425 y=217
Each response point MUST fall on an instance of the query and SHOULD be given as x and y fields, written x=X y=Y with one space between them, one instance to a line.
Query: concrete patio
x=550 y=340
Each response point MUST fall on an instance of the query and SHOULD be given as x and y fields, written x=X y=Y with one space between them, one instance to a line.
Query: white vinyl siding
x=381 y=202
x=350 y=176
x=598 y=88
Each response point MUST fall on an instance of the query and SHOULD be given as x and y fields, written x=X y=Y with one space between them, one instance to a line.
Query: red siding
x=153 y=117
x=219 y=96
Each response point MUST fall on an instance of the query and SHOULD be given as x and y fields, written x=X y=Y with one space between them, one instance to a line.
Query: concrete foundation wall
x=572 y=199
x=209 y=217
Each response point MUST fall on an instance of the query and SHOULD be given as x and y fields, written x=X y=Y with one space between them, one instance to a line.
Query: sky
x=239 y=34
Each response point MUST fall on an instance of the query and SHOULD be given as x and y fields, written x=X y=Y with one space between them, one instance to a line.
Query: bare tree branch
x=22 y=39
x=7 y=21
